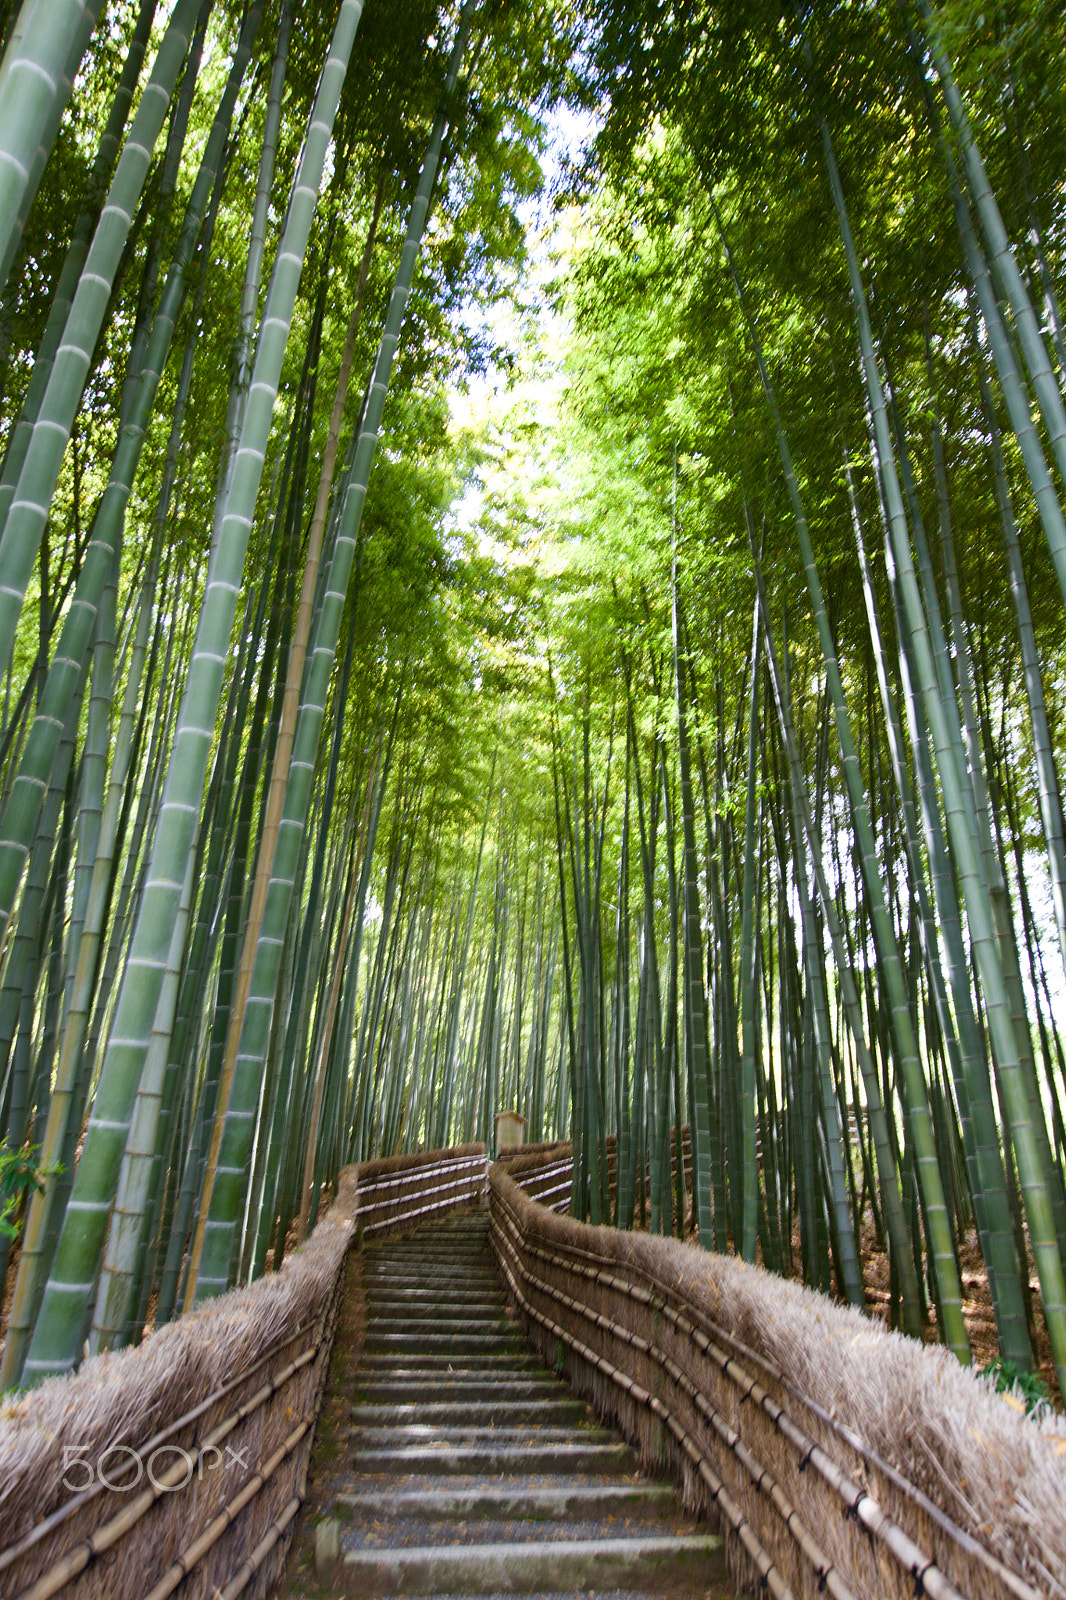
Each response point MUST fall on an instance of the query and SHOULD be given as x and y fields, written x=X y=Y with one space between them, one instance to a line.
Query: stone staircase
x=466 y=1468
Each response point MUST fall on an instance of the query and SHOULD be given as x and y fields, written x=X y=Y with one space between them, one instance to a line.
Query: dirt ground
x=976 y=1304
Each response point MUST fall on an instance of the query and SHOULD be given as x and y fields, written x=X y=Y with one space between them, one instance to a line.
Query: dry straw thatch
x=841 y=1458
x=80 y=1426
x=529 y=1155
x=244 y=1375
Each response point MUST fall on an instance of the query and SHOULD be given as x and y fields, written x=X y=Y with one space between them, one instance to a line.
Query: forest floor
x=976 y=1304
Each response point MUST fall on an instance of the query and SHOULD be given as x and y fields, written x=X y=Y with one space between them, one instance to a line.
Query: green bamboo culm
x=68 y=1297
x=39 y=67
x=744 y=1193
x=836 y=1155
x=18 y=821
x=891 y=1200
x=222 y=1201
x=27 y=514
x=1004 y=263
x=107 y=153
x=703 y=1134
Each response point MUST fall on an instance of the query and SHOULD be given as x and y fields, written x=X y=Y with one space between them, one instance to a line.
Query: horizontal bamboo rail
x=116 y=1528
x=392 y=1195
x=662 y=1338
x=546 y=1171
x=144 y=1453
x=226 y=1398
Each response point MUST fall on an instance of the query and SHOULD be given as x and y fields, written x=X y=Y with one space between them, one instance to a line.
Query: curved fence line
x=546 y=1171
x=394 y=1193
x=839 y=1458
x=179 y=1467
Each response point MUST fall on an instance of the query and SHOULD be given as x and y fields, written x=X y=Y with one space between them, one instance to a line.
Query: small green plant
x=1023 y=1389
x=19 y=1173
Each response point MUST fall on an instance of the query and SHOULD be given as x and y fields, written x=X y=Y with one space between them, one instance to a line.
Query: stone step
x=392 y=1327
x=479 y=1260
x=469 y=1468
x=396 y=1308
x=654 y=1565
x=388 y=1388
x=441 y=1361
x=602 y=1459
x=542 y=1499
x=372 y=1436
x=478 y=1412
x=472 y=1227
x=493 y=1357
x=467 y=1277
x=483 y=1261
x=456 y=1242
x=452 y=1293
x=416 y=1249
x=452 y=1286
x=454 y=1290
x=479 y=1257
x=420 y=1238
x=395 y=1313
x=426 y=1244
x=462 y=1214
x=462 y=1319
x=432 y=1255
x=389 y=1533
x=497 y=1341
x=442 y=1228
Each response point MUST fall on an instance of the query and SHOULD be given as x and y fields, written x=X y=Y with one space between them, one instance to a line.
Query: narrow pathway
x=465 y=1467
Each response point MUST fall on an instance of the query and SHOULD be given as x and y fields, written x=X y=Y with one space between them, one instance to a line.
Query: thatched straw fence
x=838 y=1458
x=405 y=1190
x=179 y=1467
x=546 y=1171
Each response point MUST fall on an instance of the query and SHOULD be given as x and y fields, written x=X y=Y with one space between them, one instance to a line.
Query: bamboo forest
x=532 y=578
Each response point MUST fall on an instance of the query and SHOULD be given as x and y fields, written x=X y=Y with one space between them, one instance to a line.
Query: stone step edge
x=396 y=1314
x=516 y=1363
x=444 y=1436
x=600 y=1459
x=392 y=1308
x=657 y=1562
x=451 y=1391
x=493 y=1378
x=370 y=1413
x=450 y=1250
x=459 y=1273
x=516 y=1501
x=421 y=1291
x=406 y=1329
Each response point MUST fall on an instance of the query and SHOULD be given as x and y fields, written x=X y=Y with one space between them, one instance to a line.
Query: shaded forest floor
x=976 y=1304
